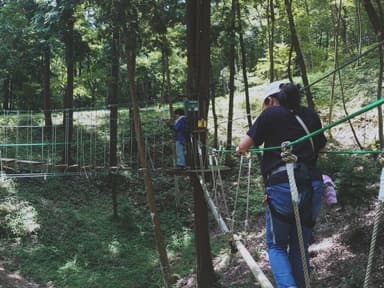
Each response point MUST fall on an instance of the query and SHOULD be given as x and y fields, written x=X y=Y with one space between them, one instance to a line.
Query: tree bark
x=214 y=114
x=198 y=60
x=167 y=74
x=113 y=104
x=271 y=36
x=231 y=82
x=6 y=84
x=337 y=15
x=130 y=41
x=205 y=275
x=300 y=57
x=68 y=96
x=378 y=27
x=47 y=87
x=243 y=64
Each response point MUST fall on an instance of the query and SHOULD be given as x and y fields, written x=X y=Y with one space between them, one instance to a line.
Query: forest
x=89 y=193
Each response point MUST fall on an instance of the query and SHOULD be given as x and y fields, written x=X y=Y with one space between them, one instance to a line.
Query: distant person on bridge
x=276 y=124
x=180 y=137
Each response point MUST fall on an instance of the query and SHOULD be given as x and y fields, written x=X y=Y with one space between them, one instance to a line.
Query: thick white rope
x=237 y=193
x=378 y=214
x=248 y=192
x=217 y=182
x=255 y=269
x=290 y=159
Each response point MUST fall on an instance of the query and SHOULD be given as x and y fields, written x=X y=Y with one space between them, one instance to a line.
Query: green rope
x=344 y=65
x=346 y=118
x=260 y=150
x=30 y=144
x=329 y=126
x=354 y=152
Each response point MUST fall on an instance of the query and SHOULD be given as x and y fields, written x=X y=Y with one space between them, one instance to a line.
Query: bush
x=354 y=176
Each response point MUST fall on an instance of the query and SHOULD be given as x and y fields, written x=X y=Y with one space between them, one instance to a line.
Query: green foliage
x=76 y=243
x=281 y=57
x=354 y=279
x=18 y=218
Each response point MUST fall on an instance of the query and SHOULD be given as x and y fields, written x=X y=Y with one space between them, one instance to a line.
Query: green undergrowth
x=61 y=230
x=354 y=175
x=67 y=236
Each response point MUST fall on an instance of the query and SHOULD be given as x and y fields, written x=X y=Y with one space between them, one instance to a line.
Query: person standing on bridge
x=278 y=123
x=180 y=137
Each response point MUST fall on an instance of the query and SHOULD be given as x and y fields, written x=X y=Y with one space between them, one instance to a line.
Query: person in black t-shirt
x=280 y=122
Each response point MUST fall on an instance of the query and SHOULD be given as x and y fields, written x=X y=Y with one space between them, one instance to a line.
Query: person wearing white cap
x=277 y=123
x=271 y=90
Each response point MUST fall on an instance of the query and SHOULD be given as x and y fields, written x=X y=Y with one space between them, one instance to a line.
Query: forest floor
x=339 y=254
x=15 y=280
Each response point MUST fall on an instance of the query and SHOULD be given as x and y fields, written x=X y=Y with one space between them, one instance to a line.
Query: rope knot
x=286 y=153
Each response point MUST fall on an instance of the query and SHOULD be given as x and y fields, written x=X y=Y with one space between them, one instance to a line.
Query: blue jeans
x=281 y=236
x=180 y=158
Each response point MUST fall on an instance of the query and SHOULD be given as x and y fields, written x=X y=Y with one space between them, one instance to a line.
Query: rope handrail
x=314 y=133
x=337 y=122
x=344 y=65
x=32 y=144
x=379 y=211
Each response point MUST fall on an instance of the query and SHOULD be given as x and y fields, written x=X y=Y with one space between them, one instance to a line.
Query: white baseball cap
x=272 y=88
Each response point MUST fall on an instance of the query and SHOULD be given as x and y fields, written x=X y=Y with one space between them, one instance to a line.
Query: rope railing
x=345 y=64
x=314 y=133
x=379 y=211
x=289 y=158
x=236 y=240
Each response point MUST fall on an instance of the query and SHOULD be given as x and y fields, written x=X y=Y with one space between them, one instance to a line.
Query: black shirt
x=277 y=124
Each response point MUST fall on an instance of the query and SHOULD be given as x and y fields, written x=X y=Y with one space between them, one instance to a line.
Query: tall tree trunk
x=6 y=85
x=271 y=36
x=198 y=52
x=214 y=114
x=47 y=87
x=358 y=28
x=300 y=57
x=244 y=64
x=337 y=15
x=379 y=93
x=376 y=18
x=167 y=74
x=130 y=42
x=231 y=83
x=378 y=26
x=68 y=96
x=289 y=64
x=113 y=104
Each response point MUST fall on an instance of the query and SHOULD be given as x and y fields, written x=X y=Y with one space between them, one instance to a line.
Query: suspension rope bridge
x=28 y=148
x=289 y=158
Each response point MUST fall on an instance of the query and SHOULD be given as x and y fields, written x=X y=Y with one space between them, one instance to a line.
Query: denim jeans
x=281 y=236
x=180 y=158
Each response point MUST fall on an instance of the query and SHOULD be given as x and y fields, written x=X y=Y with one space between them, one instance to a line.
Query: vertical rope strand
x=248 y=192
x=378 y=214
x=290 y=158
x=237 y=193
